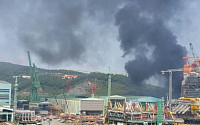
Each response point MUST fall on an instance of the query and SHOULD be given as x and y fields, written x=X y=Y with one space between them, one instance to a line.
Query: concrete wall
x=92 y=105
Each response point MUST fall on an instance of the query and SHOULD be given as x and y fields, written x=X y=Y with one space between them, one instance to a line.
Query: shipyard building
x=5 y=93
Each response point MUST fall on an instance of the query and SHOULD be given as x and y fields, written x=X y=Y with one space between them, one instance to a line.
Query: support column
x=170 y=89
x=7 y=117
x=12 y=117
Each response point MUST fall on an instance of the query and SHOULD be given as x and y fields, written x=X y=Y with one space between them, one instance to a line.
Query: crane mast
x=170 y=81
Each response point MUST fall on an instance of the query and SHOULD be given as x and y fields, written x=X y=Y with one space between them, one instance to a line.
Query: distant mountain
x=51 y=82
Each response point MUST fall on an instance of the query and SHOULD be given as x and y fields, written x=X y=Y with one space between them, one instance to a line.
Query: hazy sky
x=91 y=35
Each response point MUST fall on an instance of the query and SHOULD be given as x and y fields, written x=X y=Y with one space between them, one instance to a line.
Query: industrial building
x=6 y=114
x=92 y=106
x=5 y=93
x=79 y=106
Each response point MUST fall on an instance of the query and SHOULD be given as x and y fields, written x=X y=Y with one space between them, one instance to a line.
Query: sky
x=136 y=36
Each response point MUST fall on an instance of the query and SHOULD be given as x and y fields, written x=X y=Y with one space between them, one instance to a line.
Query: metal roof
x=91 y=99
x=117 y=97
x=145 y=99
x=3 y=108
x=4 y=82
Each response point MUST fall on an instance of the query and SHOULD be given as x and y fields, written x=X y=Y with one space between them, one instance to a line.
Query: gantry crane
x=33 y=97
x=170 y=81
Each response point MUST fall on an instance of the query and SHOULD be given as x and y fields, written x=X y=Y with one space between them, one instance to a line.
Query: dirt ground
x=53 y=122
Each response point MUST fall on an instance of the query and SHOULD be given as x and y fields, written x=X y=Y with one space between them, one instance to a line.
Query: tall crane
x=66 y=105
x=170 y=81
x=68 y=86
x=92 y=86
x=33 y=97
x=15 y=96
x=196 y=58
x=110 y=82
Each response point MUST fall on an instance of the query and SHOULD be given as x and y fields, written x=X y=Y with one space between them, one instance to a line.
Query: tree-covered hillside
x=51 y=83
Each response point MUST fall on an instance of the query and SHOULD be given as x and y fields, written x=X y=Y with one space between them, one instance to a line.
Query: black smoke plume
x=143 y=32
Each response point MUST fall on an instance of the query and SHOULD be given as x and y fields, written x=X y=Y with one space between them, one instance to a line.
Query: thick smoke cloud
x=143 y=31
x=56 y=31
x=67 y=30
x=52 y=30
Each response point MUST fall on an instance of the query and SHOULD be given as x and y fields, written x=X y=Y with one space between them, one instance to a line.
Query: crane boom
x=191 y=47
x=173 y=70
x=29 y=59
x=196 y=58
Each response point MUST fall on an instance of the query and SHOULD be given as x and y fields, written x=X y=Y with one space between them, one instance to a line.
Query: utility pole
x=170 y=81
x=15 y=96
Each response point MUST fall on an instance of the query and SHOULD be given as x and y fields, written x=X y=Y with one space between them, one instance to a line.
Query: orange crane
x=187 y=68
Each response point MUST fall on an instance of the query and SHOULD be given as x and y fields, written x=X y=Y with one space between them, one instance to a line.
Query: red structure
x=92 y=86
x=68 y=85
x=193 y=67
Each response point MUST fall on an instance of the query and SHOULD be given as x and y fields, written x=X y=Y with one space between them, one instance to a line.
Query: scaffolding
x=25 y=116
x=191 y=86
x=187 y=109
x=136 y=113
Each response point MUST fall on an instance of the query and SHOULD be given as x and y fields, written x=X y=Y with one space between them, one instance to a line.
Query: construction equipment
x=33 y=97
x=187 y=68
x=170 y=81
x=55 y=99
x=92 y=86
x=68 y=85
x=69 y=114
x=15 y=96
x=196 y=62
x=193 y=54
x=190 y=84
x=109 y=82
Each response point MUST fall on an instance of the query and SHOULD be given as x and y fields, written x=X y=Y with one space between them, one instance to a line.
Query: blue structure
x=143 y=99
x=5 y=93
